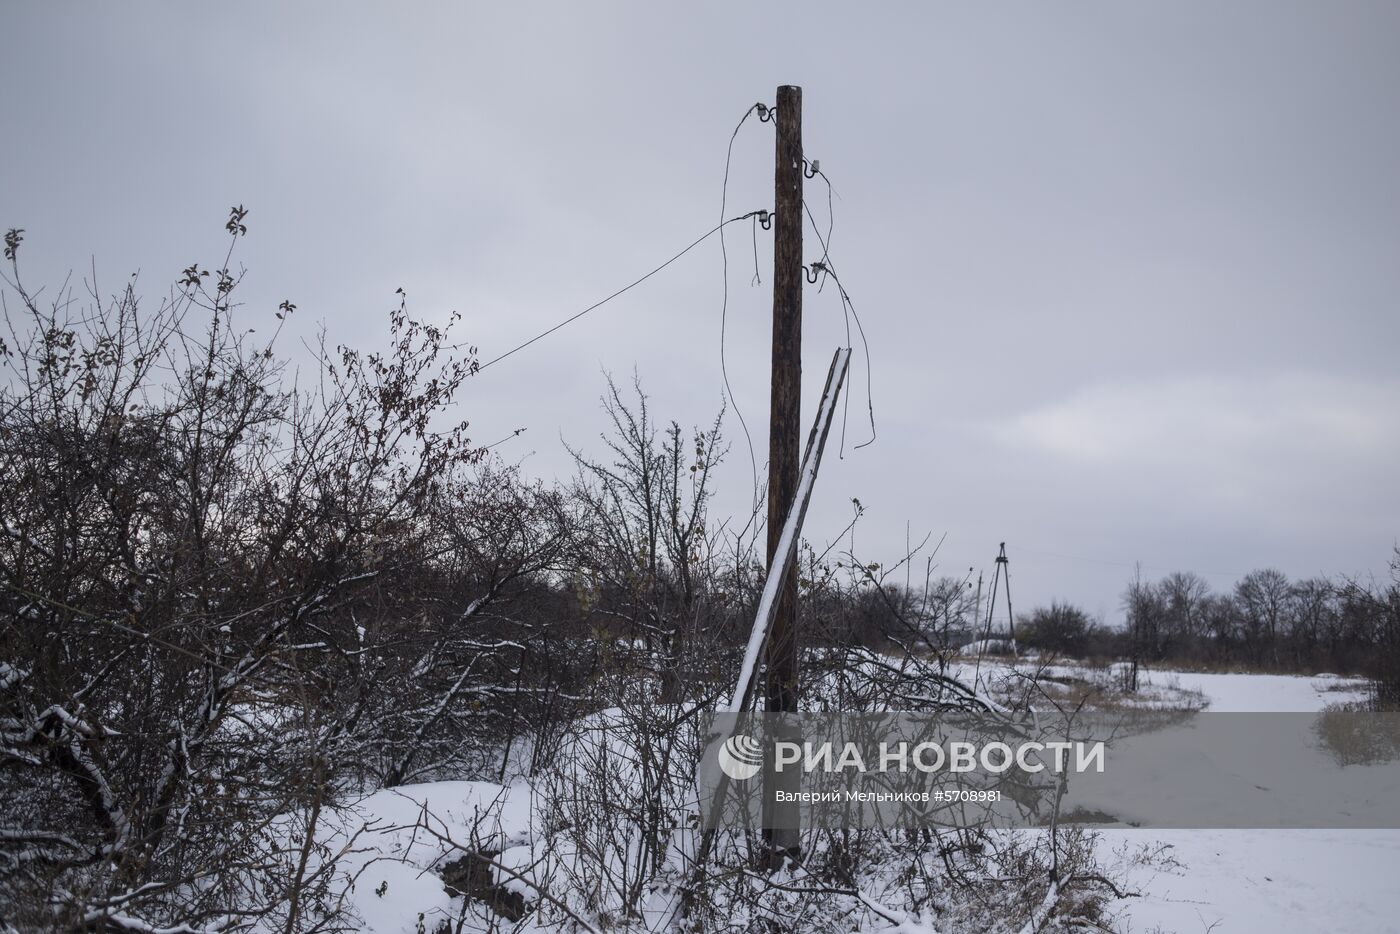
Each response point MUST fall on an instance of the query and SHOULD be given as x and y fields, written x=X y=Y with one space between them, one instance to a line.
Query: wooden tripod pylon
x=1002 y=573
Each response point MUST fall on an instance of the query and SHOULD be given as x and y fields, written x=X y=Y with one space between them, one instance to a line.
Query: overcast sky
x=1128 y=271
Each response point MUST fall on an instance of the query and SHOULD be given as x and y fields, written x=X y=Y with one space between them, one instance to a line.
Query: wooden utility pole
x=785 y=414
x=977 y=609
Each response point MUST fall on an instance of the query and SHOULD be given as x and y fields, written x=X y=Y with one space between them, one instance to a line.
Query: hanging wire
x=813 y=170
x=865 y=345
x=762 y=217
x=757 y=279
x=815 y=167
x=848 y=307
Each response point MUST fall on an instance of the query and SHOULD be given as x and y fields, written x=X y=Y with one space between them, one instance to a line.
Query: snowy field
x=1257 y=881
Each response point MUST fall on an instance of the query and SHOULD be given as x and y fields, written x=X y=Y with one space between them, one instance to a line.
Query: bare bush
x=213 y=593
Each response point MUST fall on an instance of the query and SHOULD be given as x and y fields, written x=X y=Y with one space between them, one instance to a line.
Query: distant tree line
x=1265 y=622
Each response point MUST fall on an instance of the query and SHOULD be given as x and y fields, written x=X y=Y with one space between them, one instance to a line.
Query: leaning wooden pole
x=781 y=568
x=778 y=573
x=785 y=417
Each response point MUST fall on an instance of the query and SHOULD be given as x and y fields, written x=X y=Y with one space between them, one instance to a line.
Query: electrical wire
x=849 y=308
x=826 y=257
x=631 y=285
x=724 y=312
x=830 y=219
x=757 y=279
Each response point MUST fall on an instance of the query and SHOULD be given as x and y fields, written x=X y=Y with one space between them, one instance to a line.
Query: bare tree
x=1262 y=597
x=644 y=544
x=1185 y=594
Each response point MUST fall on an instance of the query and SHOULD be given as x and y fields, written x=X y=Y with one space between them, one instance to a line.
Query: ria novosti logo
x=741 y=757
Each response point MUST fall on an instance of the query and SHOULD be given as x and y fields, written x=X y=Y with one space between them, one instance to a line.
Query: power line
x=636 y=282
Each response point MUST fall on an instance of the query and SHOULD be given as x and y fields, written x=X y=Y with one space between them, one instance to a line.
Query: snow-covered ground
x=1252 y=693
x=393 y=840
x=1244 y=881
x=1247 y=881
x=1221 y=881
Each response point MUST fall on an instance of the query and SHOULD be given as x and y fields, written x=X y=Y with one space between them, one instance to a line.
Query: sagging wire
x=495 y=444
x=865 y=345
x=826 y=268
x=631 y=285
x=811 y=170
x=765 y=114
